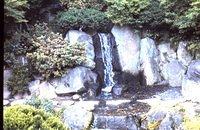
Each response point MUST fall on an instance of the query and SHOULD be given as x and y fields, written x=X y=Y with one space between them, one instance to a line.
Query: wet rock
x=183 y=55
x=74 y=81
x=77 y=118
x=99 y=66
x=191 y=82
x=173 y=72
x=149 y=61
x=76 y=97
x=75 y=36
x=117 y=90
x=128 y=48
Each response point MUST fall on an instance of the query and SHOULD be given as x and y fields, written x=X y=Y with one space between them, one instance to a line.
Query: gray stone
x=75 y=36
x=76 y=97
x=166 y=123
x=173 y=72
x=115 y=122
x=6 y=75
x=149 y=61
x=6 y=93
x=18 y=96
x=77 y=118
x=117 y=90
x=6 y=102
x=191 y=82
x=193 y=72
x=183 y=56
x=177 y=120
x=128 y=47
x=170 y=94
x=74 y=80
x=166 y=54
x=42 y=90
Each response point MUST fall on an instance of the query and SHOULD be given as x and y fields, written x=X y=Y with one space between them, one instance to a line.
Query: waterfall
x=106 y=50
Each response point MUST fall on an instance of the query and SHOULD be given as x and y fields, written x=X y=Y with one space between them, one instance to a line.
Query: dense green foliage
x=25 y=117
x=54 y=55
x=83 y=4
x=15 y=10
x=81 y=18
x=18 y=82
x=183 y=15
x=125 y=11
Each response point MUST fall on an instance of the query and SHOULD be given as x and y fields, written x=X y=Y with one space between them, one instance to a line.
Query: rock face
x=128 y=47
x=75 y=36
x=115 y=122
x=99 y=66
x=183 y=56
x=77 y=117
x=74 y=81
x=173 y=72
x=42 y=90
x=191 y=82
x=149 y=61
x=166 y=54
x=6 y=75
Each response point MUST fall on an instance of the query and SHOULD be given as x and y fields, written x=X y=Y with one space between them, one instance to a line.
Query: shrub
x=38 y=103
x=18 y=82
x=191 y=123
x=15 y=10
x=54 y=55
x=81 y=18
x=20 y=43
x=126 y=11
x=20 y=117
x=83 y=4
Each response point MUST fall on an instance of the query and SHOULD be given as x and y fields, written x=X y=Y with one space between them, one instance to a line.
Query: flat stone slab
x=115 y=122
x=117 y=102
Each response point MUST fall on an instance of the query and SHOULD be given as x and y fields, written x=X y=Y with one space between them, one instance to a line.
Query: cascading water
x=107 y=60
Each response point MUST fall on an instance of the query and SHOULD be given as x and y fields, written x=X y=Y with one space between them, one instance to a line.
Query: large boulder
x=191 y=82
x=75 y=36
x=166 y=54
x=173 y=72
x=77 y=117
x=42 y=90
x=183 y=55
x=74 y=81
x=128 y=47
x=149 y=61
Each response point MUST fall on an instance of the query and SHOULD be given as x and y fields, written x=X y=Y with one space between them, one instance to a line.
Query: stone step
x=127 y=122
